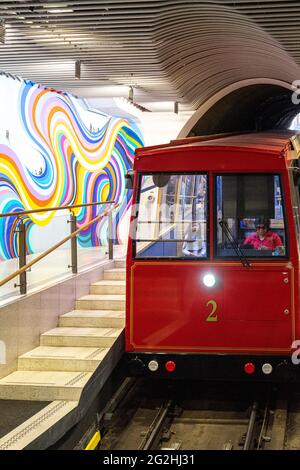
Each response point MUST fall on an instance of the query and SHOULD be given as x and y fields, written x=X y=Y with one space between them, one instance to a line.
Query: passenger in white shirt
x=193 y=244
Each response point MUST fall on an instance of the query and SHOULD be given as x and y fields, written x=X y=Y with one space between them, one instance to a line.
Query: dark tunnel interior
x=252 y=108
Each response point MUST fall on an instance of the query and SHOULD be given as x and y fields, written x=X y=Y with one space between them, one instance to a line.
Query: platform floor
x=52 y=269
x=14 y=412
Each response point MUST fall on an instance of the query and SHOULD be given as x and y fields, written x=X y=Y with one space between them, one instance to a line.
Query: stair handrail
x=57 y=208
x=54 y=247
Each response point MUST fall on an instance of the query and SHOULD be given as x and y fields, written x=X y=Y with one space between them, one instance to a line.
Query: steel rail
x=155 y=426
x=250 y=429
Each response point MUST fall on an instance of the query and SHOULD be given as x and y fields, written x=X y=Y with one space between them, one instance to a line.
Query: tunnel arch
x=248 y=105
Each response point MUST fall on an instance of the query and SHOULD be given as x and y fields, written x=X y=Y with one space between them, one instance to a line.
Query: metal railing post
x=22 y=256
x=110 y=236
x=117 y=220
x=172 y=219
x=74 y=260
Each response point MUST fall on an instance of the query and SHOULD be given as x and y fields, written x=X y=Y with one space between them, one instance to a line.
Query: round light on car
x=170 y=366
x=249 y=368
x=267 y=368
x=153 y=366
x=209 y=280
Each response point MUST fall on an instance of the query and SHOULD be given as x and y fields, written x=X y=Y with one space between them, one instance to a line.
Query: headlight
x=209 y=280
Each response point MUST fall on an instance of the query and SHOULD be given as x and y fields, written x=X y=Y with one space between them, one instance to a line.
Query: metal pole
x=110 y=236
x=117 y=219
x=22 y=257
x=172 y=232
x=74 y=264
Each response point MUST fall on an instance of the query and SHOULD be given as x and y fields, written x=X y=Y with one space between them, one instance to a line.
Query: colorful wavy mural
x=76 y=166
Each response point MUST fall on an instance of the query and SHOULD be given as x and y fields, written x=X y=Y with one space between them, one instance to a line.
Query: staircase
x=68 y=355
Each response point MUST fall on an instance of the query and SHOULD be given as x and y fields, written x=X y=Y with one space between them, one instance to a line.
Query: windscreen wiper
x=240 y=254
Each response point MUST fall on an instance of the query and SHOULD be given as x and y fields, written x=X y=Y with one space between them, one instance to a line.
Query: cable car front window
x=172 y=216
x=251 y=207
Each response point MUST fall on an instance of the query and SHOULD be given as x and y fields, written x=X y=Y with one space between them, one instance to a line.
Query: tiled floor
x=52 y=269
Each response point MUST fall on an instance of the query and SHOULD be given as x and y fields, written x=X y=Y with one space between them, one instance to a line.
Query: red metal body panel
x=167 y=305
x=210 y=159
x=171 y=308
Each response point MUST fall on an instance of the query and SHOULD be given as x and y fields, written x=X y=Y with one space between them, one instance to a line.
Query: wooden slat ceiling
x=166 y=50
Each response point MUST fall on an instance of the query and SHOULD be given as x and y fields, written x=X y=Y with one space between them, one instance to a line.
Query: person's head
x=262 y=225
x=195 y=226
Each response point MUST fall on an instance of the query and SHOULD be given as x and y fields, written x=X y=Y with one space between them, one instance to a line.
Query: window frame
x=295 y=199
x=215 y=221
x=137 y=203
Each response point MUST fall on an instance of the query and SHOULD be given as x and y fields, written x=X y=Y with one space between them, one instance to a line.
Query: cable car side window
x=249 y=216
x=172 y=216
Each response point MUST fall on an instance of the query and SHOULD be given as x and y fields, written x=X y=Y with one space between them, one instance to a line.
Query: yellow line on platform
x=94 y=441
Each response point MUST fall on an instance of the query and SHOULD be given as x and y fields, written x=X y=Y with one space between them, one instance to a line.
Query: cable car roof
x=270 y=142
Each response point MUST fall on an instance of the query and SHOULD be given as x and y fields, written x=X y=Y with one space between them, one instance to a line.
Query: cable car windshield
x=251 y=206
x=172 y=216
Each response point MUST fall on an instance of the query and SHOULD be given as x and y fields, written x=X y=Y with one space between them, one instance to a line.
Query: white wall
x=161 y=127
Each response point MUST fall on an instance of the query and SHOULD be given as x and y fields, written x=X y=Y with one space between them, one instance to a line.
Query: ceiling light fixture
x=56 y=5
x=78 y=69
x=130 y=94
x=61 y=10
x=2 y=32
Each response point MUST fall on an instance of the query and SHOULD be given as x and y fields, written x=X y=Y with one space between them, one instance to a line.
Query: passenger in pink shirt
x=263 y=238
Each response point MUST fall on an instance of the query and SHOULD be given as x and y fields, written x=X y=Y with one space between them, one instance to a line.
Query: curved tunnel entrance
x=251 y=108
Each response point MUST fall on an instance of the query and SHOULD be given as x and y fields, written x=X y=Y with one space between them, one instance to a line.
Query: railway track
x=145 y=415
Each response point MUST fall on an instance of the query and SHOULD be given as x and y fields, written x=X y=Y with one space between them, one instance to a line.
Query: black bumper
x=211 y=366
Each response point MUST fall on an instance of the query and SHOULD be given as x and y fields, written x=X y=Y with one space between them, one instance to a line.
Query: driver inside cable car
x=263 y=238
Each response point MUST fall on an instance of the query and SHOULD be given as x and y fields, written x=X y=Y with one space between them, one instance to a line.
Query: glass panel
x=93 y=243
x=172 y=215
x=250 y=216
x=42 y=237
x=92 y=247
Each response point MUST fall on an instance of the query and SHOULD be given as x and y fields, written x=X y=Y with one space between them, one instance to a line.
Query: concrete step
x=62 y=358
x=108 y=287
x=43 y=385
x=94 y=318
x=83 y=337
x=101 y=302
x=117 y=274
x=26 y=433
x=120 y=263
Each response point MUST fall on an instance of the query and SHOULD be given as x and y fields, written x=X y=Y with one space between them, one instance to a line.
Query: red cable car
x=213 y=259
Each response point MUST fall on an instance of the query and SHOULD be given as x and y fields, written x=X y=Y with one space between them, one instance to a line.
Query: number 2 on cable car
x=212 y=317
